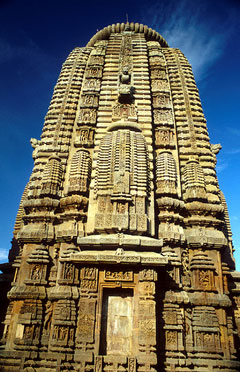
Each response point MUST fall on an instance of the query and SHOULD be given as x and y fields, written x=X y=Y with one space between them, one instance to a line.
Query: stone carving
x=96 y=60
x=121 y=110
x=85 y=137
x=125 y=55
x=117 y=175
x=157 y=73
x=206 y=329
x=36 y=272
x=161 y=100
x=98 y=364
x=29 y=308
x=203 y=271
x=28 y=332
x=52 y=177
x=186 y=269
x=35 y=145
x=118 y=275
x=87 y=116
x=194 y=181
x=162 y=117
x=93 y=72
x=68 y=271
x=48 y=318
x=157 y=61
x=204 y=279
x=92 y=85
x=166 y=173
x=131 y=365
x=88 y=279
x=147 y=288
x=159 y=85
x=171 y=340
x=28 y=326
x=89 y=100
x=86 y=321
x=80 y=170
x=171 y=318
x=147 y=331
x=125 y=77
x=60 y=334
x=216 y=148
x=147 y=275
x=147 y=323
x=53 y=269
x=100 y=48
x=164 y=137
x=89 y=273
x=89 y=285
x=125 y=89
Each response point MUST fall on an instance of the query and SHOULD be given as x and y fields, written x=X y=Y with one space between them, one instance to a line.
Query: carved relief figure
x=48 y=317
x=125 y=89
x=161 y=100
x=87 y=116
x=98 y=364
x=171 y=339
x=69 y=270
x=125 y=76
x=63 y=332
x=35 y=145
x=28 y=332
x=164 y=137
x=124 y=110
x=36 y=272
x=204 y=279
x=92 y=84
x=55 y=333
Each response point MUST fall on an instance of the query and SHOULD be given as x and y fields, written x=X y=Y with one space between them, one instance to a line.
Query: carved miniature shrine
x=123 y=248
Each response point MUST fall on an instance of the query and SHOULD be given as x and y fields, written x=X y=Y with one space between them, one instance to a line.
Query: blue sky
x=35 y=39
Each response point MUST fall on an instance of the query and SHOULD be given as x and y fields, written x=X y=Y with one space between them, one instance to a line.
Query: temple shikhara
x=122 y=250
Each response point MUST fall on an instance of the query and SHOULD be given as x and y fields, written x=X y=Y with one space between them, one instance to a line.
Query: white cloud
x=233 y=151
x=234 y=131
x=9 y=50
x=3 y=255
x=27 y=52
x=188 y=26
x=221 y=166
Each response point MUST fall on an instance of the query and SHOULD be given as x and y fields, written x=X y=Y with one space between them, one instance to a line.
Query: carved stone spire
x=125 y=258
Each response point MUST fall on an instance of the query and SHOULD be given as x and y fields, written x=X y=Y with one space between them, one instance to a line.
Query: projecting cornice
x=150 y=34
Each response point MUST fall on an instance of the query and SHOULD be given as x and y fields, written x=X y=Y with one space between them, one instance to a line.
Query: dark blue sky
x=35 y=39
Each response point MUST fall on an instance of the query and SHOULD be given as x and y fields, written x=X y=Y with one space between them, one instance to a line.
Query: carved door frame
x=111 y=285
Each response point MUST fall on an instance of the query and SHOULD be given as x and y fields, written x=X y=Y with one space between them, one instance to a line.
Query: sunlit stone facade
x=125 y=258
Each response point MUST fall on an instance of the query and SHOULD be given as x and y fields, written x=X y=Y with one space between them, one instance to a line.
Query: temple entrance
x=117 y=323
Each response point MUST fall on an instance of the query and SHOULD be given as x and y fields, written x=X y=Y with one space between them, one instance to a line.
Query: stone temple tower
x=125 y=259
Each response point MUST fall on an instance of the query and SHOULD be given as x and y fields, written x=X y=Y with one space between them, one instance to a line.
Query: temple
x=122 y=251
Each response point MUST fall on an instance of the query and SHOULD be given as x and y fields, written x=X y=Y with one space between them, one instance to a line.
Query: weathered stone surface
x=122 y=247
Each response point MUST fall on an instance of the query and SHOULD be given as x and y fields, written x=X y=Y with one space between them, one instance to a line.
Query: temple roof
x=150 y=34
